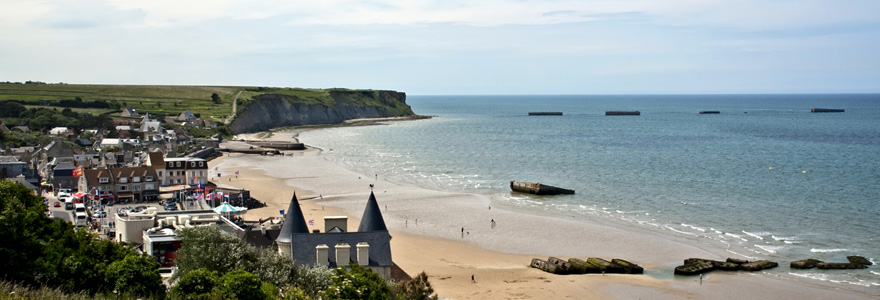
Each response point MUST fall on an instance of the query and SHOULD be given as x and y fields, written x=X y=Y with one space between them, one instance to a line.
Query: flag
x=78 y=172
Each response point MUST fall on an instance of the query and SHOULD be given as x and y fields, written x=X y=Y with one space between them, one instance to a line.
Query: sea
x=764 y=178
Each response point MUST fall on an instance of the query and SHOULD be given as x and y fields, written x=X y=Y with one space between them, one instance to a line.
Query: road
x=234 y=108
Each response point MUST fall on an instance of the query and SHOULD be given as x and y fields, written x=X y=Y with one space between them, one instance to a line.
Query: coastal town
x=144 y=182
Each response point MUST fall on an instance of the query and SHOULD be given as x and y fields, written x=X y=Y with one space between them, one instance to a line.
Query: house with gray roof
x=369 y=246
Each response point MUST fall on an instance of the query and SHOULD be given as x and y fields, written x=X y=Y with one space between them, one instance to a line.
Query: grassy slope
x=168 y=100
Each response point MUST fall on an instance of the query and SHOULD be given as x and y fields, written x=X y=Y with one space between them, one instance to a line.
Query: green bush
x=356 y=282
x=136 y=274
x=197 y=284
x=241 y=285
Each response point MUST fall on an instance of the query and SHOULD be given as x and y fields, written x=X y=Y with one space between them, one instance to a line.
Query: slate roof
x=303 y=243
x=257 y=239
x=372 y=219
x=303 y=247
x=294 y=222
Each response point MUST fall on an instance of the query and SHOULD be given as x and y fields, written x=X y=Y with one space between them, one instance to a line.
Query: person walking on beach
x=462 y=232
x=472 y=279
x=493 y=223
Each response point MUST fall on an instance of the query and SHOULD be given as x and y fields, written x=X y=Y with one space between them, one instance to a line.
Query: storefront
x=125 y=197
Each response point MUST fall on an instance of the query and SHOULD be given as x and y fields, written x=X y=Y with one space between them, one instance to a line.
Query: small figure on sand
x=462 y=232
x=472 y=279
x=493 y=223
x=406 y=222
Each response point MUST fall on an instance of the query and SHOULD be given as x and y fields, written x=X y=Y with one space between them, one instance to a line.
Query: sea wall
x=269 y=111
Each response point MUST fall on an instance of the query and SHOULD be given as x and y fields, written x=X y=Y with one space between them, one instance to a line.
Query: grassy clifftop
x=171 y=100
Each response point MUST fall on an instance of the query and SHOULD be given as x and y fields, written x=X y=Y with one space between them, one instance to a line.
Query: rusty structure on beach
x=538 y=189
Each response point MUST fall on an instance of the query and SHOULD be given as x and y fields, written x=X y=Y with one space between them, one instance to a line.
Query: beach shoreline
x=426 y=226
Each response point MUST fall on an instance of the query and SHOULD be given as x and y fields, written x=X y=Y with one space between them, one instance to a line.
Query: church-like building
x=369 y=246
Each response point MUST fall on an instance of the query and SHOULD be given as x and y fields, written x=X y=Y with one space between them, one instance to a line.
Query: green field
x=169 y=100
x=160 y=100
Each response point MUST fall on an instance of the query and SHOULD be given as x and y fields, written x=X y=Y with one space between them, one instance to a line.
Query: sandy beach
x=426 y=226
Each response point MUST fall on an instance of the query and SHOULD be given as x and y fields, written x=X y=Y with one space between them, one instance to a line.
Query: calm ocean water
x=765 y=178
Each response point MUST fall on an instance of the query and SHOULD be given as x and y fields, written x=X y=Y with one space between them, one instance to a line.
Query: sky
x=451 y=47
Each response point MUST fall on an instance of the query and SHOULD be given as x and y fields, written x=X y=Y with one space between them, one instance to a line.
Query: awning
x=151 y=193
x=173 y=188
x=121 y=195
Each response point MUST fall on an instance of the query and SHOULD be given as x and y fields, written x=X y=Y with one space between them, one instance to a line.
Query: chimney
x=363 y=254
x=343 y=254
x=336 y=221
x=321 y=257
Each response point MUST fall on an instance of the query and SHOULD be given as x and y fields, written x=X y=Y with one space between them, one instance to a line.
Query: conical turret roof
x=372 y=219
x=294 y=222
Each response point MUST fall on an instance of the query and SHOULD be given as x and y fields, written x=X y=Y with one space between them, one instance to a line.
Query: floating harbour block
x=758 y=265
x=628 y=267
x=805 y=263
x=694 y=268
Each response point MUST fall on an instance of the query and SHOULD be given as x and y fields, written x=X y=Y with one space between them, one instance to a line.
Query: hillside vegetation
x=171 y=100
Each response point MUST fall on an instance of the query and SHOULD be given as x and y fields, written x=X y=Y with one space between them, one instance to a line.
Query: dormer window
x=149 y=178
x=123 y=180
x=136 y=179
x=103 y=180
x=201 y=164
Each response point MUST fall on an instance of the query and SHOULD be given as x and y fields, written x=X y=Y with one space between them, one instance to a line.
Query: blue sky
x=451 y=47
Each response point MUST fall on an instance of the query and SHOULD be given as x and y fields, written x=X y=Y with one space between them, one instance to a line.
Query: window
x=123 y=179
x=149 y=187
x=137 y=187
x=149 y=178
x=160 y=175
x=192 y=164
x=201 y=164
x=136 y=179
x=103 y=180
x=123 y=188
x=178 y=164
x=200 y=173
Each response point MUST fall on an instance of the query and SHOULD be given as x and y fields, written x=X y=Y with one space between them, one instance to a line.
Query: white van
x=80 y=219
x=79 y=208
x=68 y=204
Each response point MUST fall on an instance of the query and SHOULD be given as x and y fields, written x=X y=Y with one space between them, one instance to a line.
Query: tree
x=210 y=248
x=416 y=289
x=196 y=284
x=241 y=285
x=216 y=98
x=313 y=280
x=136 y=274
x=22 y=217
x=356 y=283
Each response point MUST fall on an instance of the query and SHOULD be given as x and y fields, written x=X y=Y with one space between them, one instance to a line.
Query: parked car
x=56 y=204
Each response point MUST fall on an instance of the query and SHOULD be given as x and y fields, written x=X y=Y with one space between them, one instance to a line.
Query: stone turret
x=294 y=223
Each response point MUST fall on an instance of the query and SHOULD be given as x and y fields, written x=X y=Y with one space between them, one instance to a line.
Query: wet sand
x=426 y=228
